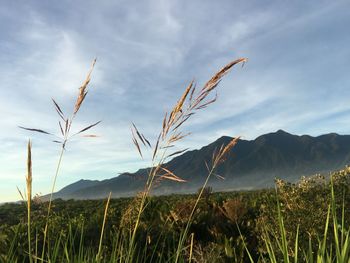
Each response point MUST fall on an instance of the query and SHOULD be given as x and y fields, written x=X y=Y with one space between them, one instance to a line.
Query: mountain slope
x=251 y=164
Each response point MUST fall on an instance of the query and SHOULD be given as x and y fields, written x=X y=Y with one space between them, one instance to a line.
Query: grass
x=65 y=125
x=29 y=181
x=324 y=253
x=189 y=103
x=173 y=239
x=103 y=228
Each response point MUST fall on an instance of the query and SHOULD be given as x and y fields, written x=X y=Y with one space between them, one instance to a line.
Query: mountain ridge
x=250 y=164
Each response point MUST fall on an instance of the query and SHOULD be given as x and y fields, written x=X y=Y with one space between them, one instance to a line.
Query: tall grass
x=65 y=125
x=218 y=157
x=189 y=103
x=103 y=228
x=29 y=180
x=337 y=250
x=28 y=197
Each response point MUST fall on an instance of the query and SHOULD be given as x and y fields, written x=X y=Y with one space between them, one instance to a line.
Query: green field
x=225 y=227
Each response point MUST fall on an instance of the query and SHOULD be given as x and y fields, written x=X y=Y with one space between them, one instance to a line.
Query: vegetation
x=303 y=222
x=222 y=226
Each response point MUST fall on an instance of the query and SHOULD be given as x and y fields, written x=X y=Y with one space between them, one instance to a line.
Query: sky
x=296 y=79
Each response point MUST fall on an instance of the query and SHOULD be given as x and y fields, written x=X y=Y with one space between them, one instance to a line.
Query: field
x=223 y=228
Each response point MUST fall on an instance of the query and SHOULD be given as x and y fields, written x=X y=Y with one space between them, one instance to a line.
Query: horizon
x=295 y=79
x=194 y=149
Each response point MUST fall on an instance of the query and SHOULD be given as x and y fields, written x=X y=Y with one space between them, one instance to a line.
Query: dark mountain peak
x=282 y=132
x=217 y=143
x=223 y=139
x=330 y=135
x=279 y=133
x=275 y=137
x=77 y=186
x=86 y=180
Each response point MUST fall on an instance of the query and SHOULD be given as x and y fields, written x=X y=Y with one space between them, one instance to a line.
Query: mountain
x=250 y=164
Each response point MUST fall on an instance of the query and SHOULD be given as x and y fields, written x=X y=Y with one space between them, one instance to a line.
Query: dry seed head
x=29 y=177
x=182 y=121
x=170 y=176
x=180 y=103
x=177 y=152
x=136 y=143
x=229 y=146
x=138 y=134
x=59 y=123
x=205 y=104
x=89 y=127
x=192 y=92
x=58 y=109
x=212 y=83
x=180 y=114
x=82 y=89
x=34 y=130
x=177 y=137
x=147 y=141
x=221 y=155
x=156 y=147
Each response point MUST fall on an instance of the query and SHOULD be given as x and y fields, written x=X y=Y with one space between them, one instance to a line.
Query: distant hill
x=250 y=165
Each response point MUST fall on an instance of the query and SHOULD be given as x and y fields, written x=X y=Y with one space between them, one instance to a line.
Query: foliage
x=223 y=226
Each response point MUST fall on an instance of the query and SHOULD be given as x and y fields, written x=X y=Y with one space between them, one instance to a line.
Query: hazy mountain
x=251 y=164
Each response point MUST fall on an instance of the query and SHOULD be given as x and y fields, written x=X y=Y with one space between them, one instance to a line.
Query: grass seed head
x=29 y=177
x=82 y=90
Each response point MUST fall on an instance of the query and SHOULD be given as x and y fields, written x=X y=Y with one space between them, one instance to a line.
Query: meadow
x=225 y=227
x=307 y=221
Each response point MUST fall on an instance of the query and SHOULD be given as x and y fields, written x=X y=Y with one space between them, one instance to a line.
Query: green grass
x=75 y=230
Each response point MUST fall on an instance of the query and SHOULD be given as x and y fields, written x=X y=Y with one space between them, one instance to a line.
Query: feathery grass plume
x=220 y=156
x=170 y=176
x=133 y=130
x=82 y=90
x=65 y=131
x=29 y=176
x=189 y=103
x=29 y=180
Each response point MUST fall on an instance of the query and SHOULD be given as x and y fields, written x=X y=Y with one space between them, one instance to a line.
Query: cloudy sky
x=297 y=77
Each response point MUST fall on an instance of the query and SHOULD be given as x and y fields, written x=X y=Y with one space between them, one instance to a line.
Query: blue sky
x=297 y=77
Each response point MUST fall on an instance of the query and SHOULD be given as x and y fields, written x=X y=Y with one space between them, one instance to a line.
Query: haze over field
x=296 y=78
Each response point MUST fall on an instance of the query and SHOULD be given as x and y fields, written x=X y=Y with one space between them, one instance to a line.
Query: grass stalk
x=50 y=201
x=29 y=180
x=218 y=158
x=191 y=248
x=65 y=130
x=103 y=228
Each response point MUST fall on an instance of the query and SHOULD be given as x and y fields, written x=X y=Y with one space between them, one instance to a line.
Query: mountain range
x=251 y=164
